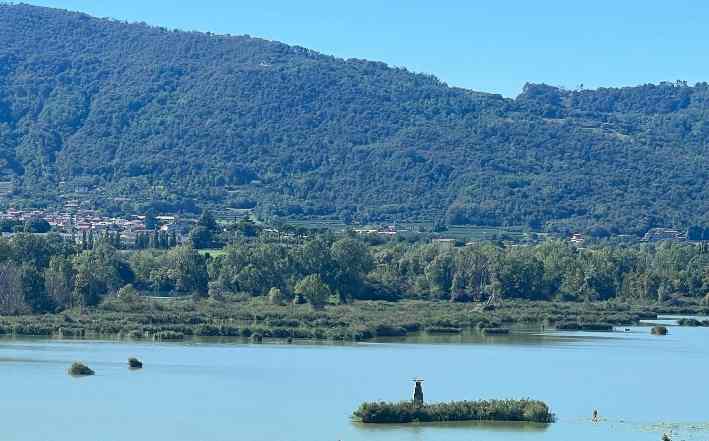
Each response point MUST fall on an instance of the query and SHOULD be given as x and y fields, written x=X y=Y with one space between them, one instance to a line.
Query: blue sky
x=492 y=46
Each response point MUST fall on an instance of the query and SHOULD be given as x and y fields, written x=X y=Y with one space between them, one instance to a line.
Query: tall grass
x=487 y=410
x=357 y=321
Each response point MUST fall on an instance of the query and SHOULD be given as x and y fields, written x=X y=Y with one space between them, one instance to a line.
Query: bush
x=383 y=330
x=79 y=370
x=276 y=297
x=168 y=335
x=134 y=363
x=205 y=330
x=314 y=290
x=128 y=294
x=32 y=329
x=658 y=330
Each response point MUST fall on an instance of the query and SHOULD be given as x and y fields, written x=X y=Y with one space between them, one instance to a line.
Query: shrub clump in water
x=658 y=330
x=80 y=369
x=134 y=363
x=168 y=335
x=487 y=410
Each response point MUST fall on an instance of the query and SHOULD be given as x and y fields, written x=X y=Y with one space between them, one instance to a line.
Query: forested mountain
x=153 y=114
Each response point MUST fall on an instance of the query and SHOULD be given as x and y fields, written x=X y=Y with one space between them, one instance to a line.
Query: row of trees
x=41 y=274
x=551 y=270
x=45 y=274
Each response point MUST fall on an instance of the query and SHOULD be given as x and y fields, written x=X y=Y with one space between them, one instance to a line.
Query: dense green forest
x=41 y=274
x=136 y=114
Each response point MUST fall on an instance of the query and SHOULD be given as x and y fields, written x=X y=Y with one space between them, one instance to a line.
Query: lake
x=642 y=385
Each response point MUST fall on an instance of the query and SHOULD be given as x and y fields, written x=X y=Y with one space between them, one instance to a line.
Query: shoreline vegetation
x=177 y=319
x=484 y=410
x=345 y=287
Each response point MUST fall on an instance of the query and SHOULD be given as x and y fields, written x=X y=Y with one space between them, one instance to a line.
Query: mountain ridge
x=177 y=117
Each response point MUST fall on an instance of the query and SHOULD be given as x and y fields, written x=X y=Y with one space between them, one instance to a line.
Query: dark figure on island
x=418 y=392
x=595 y=416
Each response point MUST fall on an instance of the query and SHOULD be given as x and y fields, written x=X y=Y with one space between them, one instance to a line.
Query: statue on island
x=418 y=392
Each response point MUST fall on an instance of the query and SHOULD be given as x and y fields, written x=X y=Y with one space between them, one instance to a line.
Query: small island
x=658 y=330
x=79 y=369
x=484 y=410
x=135 y=363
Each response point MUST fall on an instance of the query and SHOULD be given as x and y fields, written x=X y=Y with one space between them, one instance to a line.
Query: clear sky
x=491 y=45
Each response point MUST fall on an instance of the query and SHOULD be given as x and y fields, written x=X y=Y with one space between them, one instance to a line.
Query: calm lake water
x=642 y=385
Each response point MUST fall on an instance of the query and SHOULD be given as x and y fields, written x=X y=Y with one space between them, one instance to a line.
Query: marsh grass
x=360 y=320
x=486 y=410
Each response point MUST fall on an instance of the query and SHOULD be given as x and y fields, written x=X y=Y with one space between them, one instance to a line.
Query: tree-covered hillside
x=148 y=113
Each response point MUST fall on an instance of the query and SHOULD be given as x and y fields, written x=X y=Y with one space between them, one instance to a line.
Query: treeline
x=45 y=273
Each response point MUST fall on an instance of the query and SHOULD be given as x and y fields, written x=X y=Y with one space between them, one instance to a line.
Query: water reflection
x=481 y=426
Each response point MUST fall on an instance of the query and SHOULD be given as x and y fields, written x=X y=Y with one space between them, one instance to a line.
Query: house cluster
x=79 y=223
x=389 y=230
x=577 y=239
x=655 y=234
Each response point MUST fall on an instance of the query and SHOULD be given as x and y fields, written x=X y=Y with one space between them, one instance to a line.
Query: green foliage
x=79 y=370
x=34 y=291
x=37 y=225
x=314 y=290
x=276 y=297
x=289 y=129
x=168 y=335
x=99 y=272
x=208 y=222
x=59 y=281
x=128 y=294
x=488 y=410
x=200 y=238
x=189 y=269
x=521 y=276
x=359 y=320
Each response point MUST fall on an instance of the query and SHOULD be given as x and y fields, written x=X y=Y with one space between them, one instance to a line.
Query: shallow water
x=642 y=385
